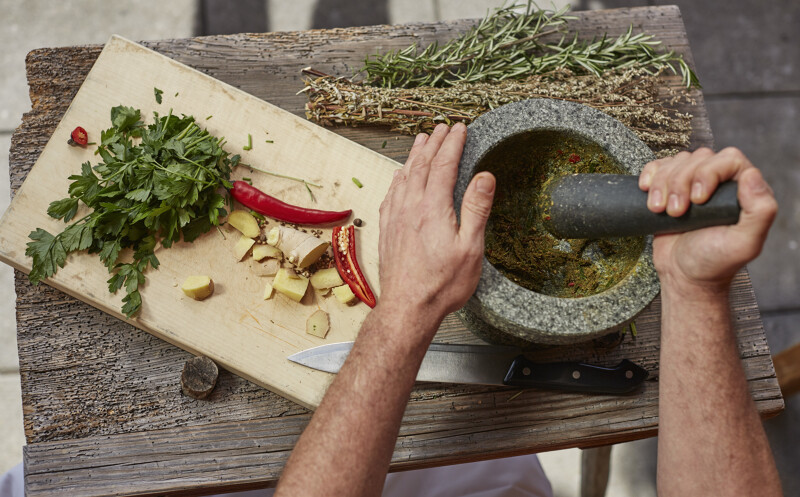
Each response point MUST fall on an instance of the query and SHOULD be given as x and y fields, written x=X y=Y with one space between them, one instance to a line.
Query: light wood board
x=236 y=327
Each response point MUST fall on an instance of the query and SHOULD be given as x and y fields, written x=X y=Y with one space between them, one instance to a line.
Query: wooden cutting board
x=236 y=327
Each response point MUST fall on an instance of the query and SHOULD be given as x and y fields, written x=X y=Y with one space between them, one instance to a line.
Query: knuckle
x=679 y=179
x=652 y=167
x=477 y=208
x=732 y=152
x=417 y=162
x=439 y=162
x=704 y=152
x=770 y=208
x=661 y=175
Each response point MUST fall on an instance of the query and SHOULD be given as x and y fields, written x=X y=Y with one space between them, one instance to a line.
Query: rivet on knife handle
x=575 y=376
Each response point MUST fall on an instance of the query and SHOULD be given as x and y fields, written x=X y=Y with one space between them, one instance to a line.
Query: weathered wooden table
x=104 y=414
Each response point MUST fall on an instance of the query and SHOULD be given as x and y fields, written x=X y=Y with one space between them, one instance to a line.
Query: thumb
x=476 y=206
x=758 y=209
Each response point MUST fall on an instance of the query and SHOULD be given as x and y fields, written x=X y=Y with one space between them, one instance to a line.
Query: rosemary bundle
x=637 y=98
x=511 y=43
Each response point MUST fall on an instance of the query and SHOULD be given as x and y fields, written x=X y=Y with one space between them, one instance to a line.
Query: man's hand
x=708 y=258
x=710 y=437
x=428 y=263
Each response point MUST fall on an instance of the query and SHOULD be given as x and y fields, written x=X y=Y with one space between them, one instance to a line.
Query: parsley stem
x=301 y=180
x=196 y=164
x=183 y=133
x=189 y=178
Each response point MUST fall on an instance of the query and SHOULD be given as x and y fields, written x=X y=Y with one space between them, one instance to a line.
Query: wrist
x=413 y=325
x=683 y=289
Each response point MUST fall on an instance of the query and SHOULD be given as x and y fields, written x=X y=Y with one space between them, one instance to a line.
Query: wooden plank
x=787 y=367
x=78 y=436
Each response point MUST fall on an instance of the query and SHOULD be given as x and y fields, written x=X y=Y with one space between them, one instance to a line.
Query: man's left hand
x=428 y=263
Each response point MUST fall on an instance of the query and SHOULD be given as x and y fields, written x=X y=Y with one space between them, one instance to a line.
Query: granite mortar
x=500 y=311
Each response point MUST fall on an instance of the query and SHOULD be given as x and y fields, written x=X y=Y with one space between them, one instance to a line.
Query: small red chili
x=253 y=198
x=78 y=137
x=547 y=218
x=571 y=283
x=344 y=253
x=560 y=152
x=573 y=158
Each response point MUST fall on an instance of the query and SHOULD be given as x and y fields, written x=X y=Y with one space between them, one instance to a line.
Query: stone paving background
x=747 y=56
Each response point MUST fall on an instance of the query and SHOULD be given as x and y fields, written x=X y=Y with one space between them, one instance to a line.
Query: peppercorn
x=358 y=222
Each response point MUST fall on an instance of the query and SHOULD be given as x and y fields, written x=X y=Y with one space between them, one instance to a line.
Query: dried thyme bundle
x=637 y=98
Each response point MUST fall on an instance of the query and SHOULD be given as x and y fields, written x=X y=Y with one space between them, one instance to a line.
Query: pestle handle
x=612 y=205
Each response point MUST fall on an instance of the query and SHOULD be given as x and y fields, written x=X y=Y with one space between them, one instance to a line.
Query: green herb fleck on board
x=383 y=145
x=249 y=145
x=209 y=117
x=313 y=199
x=158 y=94
x=358 y=183
x=269 y=141
x=177 y=93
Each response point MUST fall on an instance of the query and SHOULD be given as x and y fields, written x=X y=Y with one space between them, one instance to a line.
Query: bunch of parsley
x=156 y=184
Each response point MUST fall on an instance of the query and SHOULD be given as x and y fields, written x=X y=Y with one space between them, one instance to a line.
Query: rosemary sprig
x=509 y=44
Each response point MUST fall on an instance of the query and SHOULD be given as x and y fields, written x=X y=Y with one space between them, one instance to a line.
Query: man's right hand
x=711 y=441
x=710 y=257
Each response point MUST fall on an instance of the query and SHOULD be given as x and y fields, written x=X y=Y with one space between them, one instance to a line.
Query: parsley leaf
x=63 y=209
x=155 y=184
x=124 y=118
x=158 y=94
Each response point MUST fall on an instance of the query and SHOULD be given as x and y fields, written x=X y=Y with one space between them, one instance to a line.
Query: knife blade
x=494 y=365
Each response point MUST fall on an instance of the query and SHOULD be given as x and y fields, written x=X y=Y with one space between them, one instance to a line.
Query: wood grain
x=134 y=433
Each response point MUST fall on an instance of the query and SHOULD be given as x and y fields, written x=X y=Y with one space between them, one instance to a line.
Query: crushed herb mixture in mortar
x=517 y=243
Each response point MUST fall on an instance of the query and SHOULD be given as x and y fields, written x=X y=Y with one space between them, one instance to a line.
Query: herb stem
x=278 y=175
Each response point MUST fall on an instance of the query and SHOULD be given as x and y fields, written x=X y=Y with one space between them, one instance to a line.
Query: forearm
x=347 y=446
x=711 y=441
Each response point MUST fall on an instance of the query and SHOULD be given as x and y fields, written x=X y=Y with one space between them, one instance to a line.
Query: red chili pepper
x=573 y=158
x=344 y=252
x=255 y=199
x=78 y=137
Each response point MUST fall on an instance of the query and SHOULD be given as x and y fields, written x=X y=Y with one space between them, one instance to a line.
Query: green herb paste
x=517 y=243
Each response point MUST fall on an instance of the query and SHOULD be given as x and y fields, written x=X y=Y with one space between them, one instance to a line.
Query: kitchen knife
x=494 y=365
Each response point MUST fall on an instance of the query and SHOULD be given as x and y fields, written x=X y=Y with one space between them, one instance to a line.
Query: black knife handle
x=575 y=376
